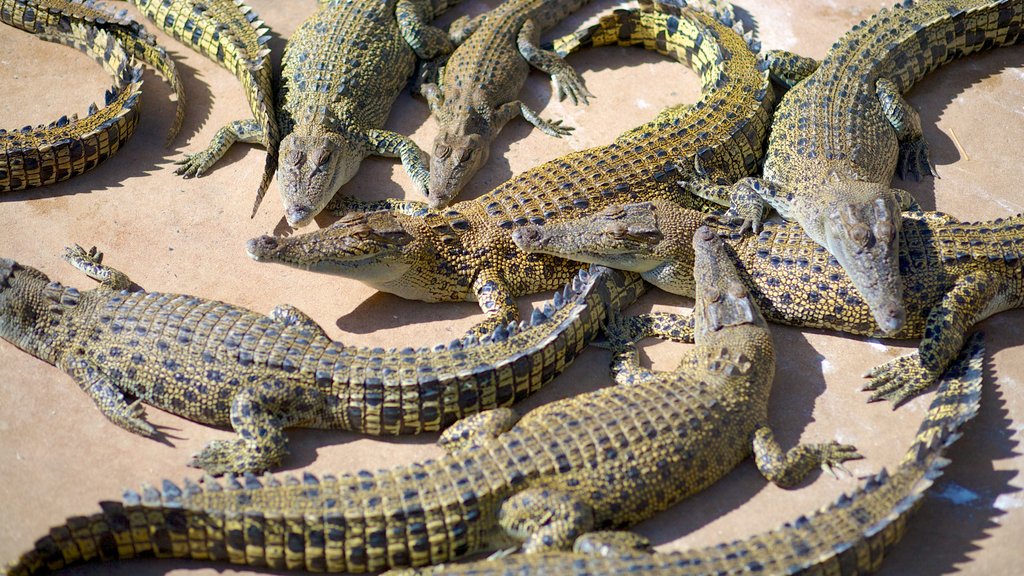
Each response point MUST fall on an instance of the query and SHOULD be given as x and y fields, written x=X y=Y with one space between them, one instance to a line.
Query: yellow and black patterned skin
x=606 y=458
x=954 y=275
x=45 y=154
x=227 y=366
x=465 y=252
x=851 y=536
x=839 y=135
x=478 y=91
x=230 y=33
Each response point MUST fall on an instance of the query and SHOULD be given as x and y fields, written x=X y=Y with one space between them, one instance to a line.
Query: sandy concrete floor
x=59 y=456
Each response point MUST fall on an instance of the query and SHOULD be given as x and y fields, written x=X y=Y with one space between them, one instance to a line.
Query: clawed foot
x=898 y=380
x=556 y=128
x=833 y=454
x=133 y=418
x=75 y=253
x=232 y=457
x=915 y=160
x=568 y=84
x=194 y=165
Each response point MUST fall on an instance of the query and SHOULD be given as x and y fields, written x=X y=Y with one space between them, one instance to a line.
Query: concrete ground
x=59 y=456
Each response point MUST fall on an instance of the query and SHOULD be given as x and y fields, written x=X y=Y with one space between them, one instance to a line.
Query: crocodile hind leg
x=902 y=378
x=109 y=398
x=478 y=428
x=914 y=158
x=291 y=316
x=564 y=79
x=788 y=68
x=91 y=263
x=545 y=519
x=510 y=110
x=788 y=468
x=748 y=199
x=248 y=131
x=496 y=301
x=259 y=415
x=426 y=41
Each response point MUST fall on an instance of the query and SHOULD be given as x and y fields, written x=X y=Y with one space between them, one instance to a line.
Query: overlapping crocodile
x=342 y=70
x=224 y=365
x=840 y=134
x=954 y=274
x=231 y=34
x=853 y=535
x=605 y=458
x=465 y=252
x=480 y=84
x=49 y=153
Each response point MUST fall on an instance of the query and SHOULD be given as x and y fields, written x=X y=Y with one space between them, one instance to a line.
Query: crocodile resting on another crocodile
x=480 y=84
x=465 y=252
x=224 y=365
x=954 y=274
x=840 y=134
x=605 y=458
x=46 y=154
x=851 y=536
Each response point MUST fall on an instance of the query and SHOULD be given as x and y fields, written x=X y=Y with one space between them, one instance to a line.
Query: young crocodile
x=480 y=86
x=342 y=70
x=230 y=33
x=954 y=274
x=465 y=252
x=68 y=147
x=223 y=365
x=853 y=535
x=605 y=458
x=839 y=135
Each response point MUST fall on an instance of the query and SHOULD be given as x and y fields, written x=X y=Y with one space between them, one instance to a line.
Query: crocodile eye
x=442 y=150
x=884 y=231
x=617 y=230
x=319 y=157
x=860 y=234
x=466 y=155
x=295 y=158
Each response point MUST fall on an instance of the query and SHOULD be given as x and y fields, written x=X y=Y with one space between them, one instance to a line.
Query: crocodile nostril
x=528 y=235
x=261 y=246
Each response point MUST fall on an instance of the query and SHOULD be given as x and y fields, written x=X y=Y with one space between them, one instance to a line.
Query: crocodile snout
x=260 y=247
x=890 y=317
x=527 y=237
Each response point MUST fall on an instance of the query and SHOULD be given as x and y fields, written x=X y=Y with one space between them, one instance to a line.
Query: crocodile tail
x=854 y=534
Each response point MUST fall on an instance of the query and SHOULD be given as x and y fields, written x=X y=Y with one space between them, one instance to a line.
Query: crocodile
x=465 y=251
x=852 y=535
x=68 y=147
x=954 y=274
x=605 y=458
x=230 y=33
x=35 y=16
x=480 y=84
x=841 y=133
x=342 y=70
x=223 y=365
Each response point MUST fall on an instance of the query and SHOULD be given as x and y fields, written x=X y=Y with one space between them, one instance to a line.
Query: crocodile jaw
x=311 y=170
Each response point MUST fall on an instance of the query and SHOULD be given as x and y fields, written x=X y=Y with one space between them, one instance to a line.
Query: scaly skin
x=606 y=458
x=223 y=365
x=342 y=70
x=954 y=274
x=231 y=34
x=840 y=134
x=480 y=85
x=851 y=536
x=68 y=147
x=46 y=16
x=465 y=252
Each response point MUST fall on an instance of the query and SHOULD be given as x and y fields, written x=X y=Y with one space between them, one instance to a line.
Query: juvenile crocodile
x=954 y=274
x=342 y=70
x=853 y=535
x=46 y=16
x=68 y=147
x=230 y=33
x=605 y=458
x=840 y=134
x=465 y=252
x=480 y=85
x=224 y=365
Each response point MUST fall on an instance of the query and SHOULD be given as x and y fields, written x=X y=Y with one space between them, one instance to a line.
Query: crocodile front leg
x=789 y=468
x=91 y=263
x=426 y=41
x=248 y=131
x=104 y=391
x=902 y=378
x=392 y=144
x=496 y=301
x=564 y=79
x=914 y=158
x=545 y=519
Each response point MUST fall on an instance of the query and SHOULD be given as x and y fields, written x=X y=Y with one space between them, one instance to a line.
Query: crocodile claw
x=899 y=380
x=193 y=165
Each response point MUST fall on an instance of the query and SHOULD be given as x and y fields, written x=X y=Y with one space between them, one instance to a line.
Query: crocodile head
x=367 y=246
x=456 y=158
x=25 y=309
x=625 y=237
x=311 y=169
x=862 y=233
